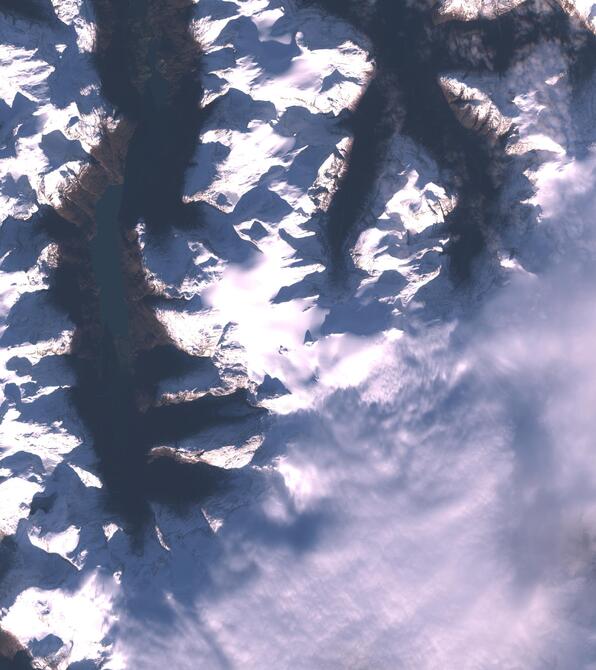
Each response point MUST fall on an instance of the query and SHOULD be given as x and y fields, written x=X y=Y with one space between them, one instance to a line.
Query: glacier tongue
x=414 y=487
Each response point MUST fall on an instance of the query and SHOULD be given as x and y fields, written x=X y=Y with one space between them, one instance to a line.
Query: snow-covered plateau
x=297 y=314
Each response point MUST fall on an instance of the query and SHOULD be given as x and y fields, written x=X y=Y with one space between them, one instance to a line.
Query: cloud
x=437 y=512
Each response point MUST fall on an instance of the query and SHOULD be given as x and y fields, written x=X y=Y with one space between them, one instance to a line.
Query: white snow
x=424 y=496
x=62 y=543
x=88 y=478
x=15 y=497
x=81 y=619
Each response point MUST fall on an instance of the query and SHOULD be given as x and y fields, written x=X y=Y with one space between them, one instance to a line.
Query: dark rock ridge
x=13 y=656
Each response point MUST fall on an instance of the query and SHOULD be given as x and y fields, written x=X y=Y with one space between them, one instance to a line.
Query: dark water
x=411 y=53
x=32 y=10
x=106 y=259
x=20 y=661
x=149 y=68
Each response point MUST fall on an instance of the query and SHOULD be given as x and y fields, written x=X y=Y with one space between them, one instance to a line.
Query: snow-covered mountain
x=296 y=341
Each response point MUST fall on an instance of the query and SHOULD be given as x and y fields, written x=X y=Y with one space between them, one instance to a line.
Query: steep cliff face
x=296 y=311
